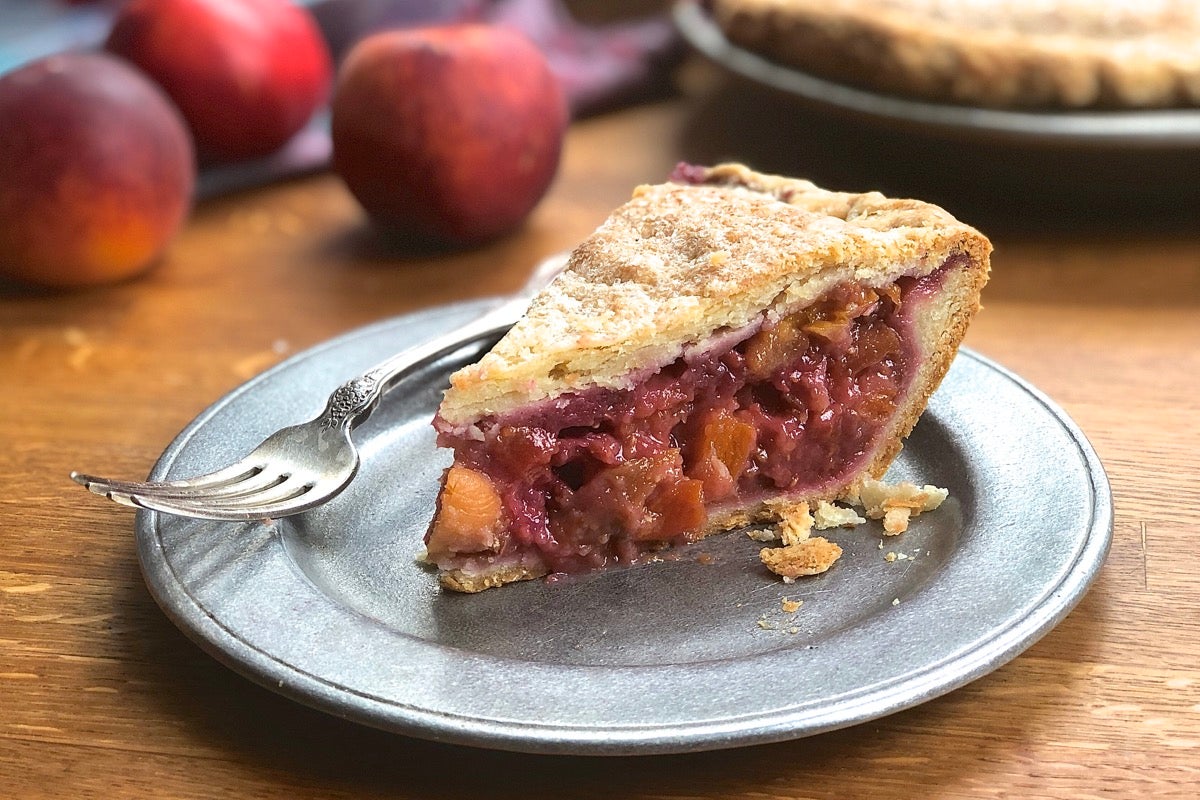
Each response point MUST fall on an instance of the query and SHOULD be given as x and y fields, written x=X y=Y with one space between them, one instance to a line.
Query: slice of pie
x=722 y=342
x=1003 y=53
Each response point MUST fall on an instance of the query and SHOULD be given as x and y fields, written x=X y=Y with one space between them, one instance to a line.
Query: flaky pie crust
x=1000 y=53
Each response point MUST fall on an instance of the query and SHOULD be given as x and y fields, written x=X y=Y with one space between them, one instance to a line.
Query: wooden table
x=1093 y=298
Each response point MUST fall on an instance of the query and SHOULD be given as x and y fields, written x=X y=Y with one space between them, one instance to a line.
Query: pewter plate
x=1135 y=129
x=332 y=609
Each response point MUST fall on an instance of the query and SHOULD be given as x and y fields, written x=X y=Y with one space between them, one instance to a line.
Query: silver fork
x=303 y=466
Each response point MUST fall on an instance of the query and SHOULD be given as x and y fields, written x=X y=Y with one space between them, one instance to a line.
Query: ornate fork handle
x=354 y=401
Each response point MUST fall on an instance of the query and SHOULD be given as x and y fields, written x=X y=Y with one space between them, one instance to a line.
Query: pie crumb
x=827 y=515
x=895 y=521
x=790 y=606
x=795 y=521
x=763 y=534
x=808 y=557
x=897 y=503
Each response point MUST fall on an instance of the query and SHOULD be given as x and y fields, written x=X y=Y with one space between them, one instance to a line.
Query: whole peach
x=96 y=171
x=449 y=134
x=247 y=74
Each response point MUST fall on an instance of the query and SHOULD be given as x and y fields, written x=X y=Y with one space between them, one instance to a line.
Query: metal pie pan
x=332 y=609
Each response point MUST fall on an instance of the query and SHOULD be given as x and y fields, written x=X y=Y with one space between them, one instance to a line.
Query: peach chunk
x=722 y=453
x=469 y=517
x=644 y=499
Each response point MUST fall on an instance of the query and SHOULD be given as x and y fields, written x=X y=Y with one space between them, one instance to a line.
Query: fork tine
x=322 y=447
x=232 y=474
x=278 y=500
x=231 y=513
x=287 y=489
x=256 y=482
x=201 y=511
x=123 y=499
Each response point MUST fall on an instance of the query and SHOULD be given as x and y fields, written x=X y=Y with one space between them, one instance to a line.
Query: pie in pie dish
x=1000 y=53
x=724 y=343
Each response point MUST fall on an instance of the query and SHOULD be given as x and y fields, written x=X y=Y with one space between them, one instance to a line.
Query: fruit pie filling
x=611 y=475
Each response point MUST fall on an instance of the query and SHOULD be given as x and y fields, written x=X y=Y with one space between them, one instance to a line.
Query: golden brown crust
x=1067 y=53
x=679 y=262
x=460 y=581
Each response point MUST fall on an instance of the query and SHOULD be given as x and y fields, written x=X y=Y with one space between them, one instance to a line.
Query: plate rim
x=945 y=675
x=1143 y=129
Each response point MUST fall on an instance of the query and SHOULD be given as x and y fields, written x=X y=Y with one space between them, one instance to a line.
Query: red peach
x=96 y=171
x=449 y=134
x=247 y=74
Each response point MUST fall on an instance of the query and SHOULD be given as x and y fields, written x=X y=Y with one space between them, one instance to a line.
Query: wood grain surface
x=1094 y=299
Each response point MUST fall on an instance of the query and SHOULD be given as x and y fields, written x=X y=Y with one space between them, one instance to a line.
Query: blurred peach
x=96 y=171
x=247 y=74
x=450 y=133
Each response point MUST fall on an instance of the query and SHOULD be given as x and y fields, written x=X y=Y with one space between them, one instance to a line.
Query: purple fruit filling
x=609 y=475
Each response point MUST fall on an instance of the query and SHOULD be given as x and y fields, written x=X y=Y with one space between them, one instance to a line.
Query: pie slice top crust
x=1001 y=53
x=722 y=341
x=685 y=259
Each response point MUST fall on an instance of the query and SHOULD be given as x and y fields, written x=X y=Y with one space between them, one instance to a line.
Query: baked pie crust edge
x=1078 y=54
